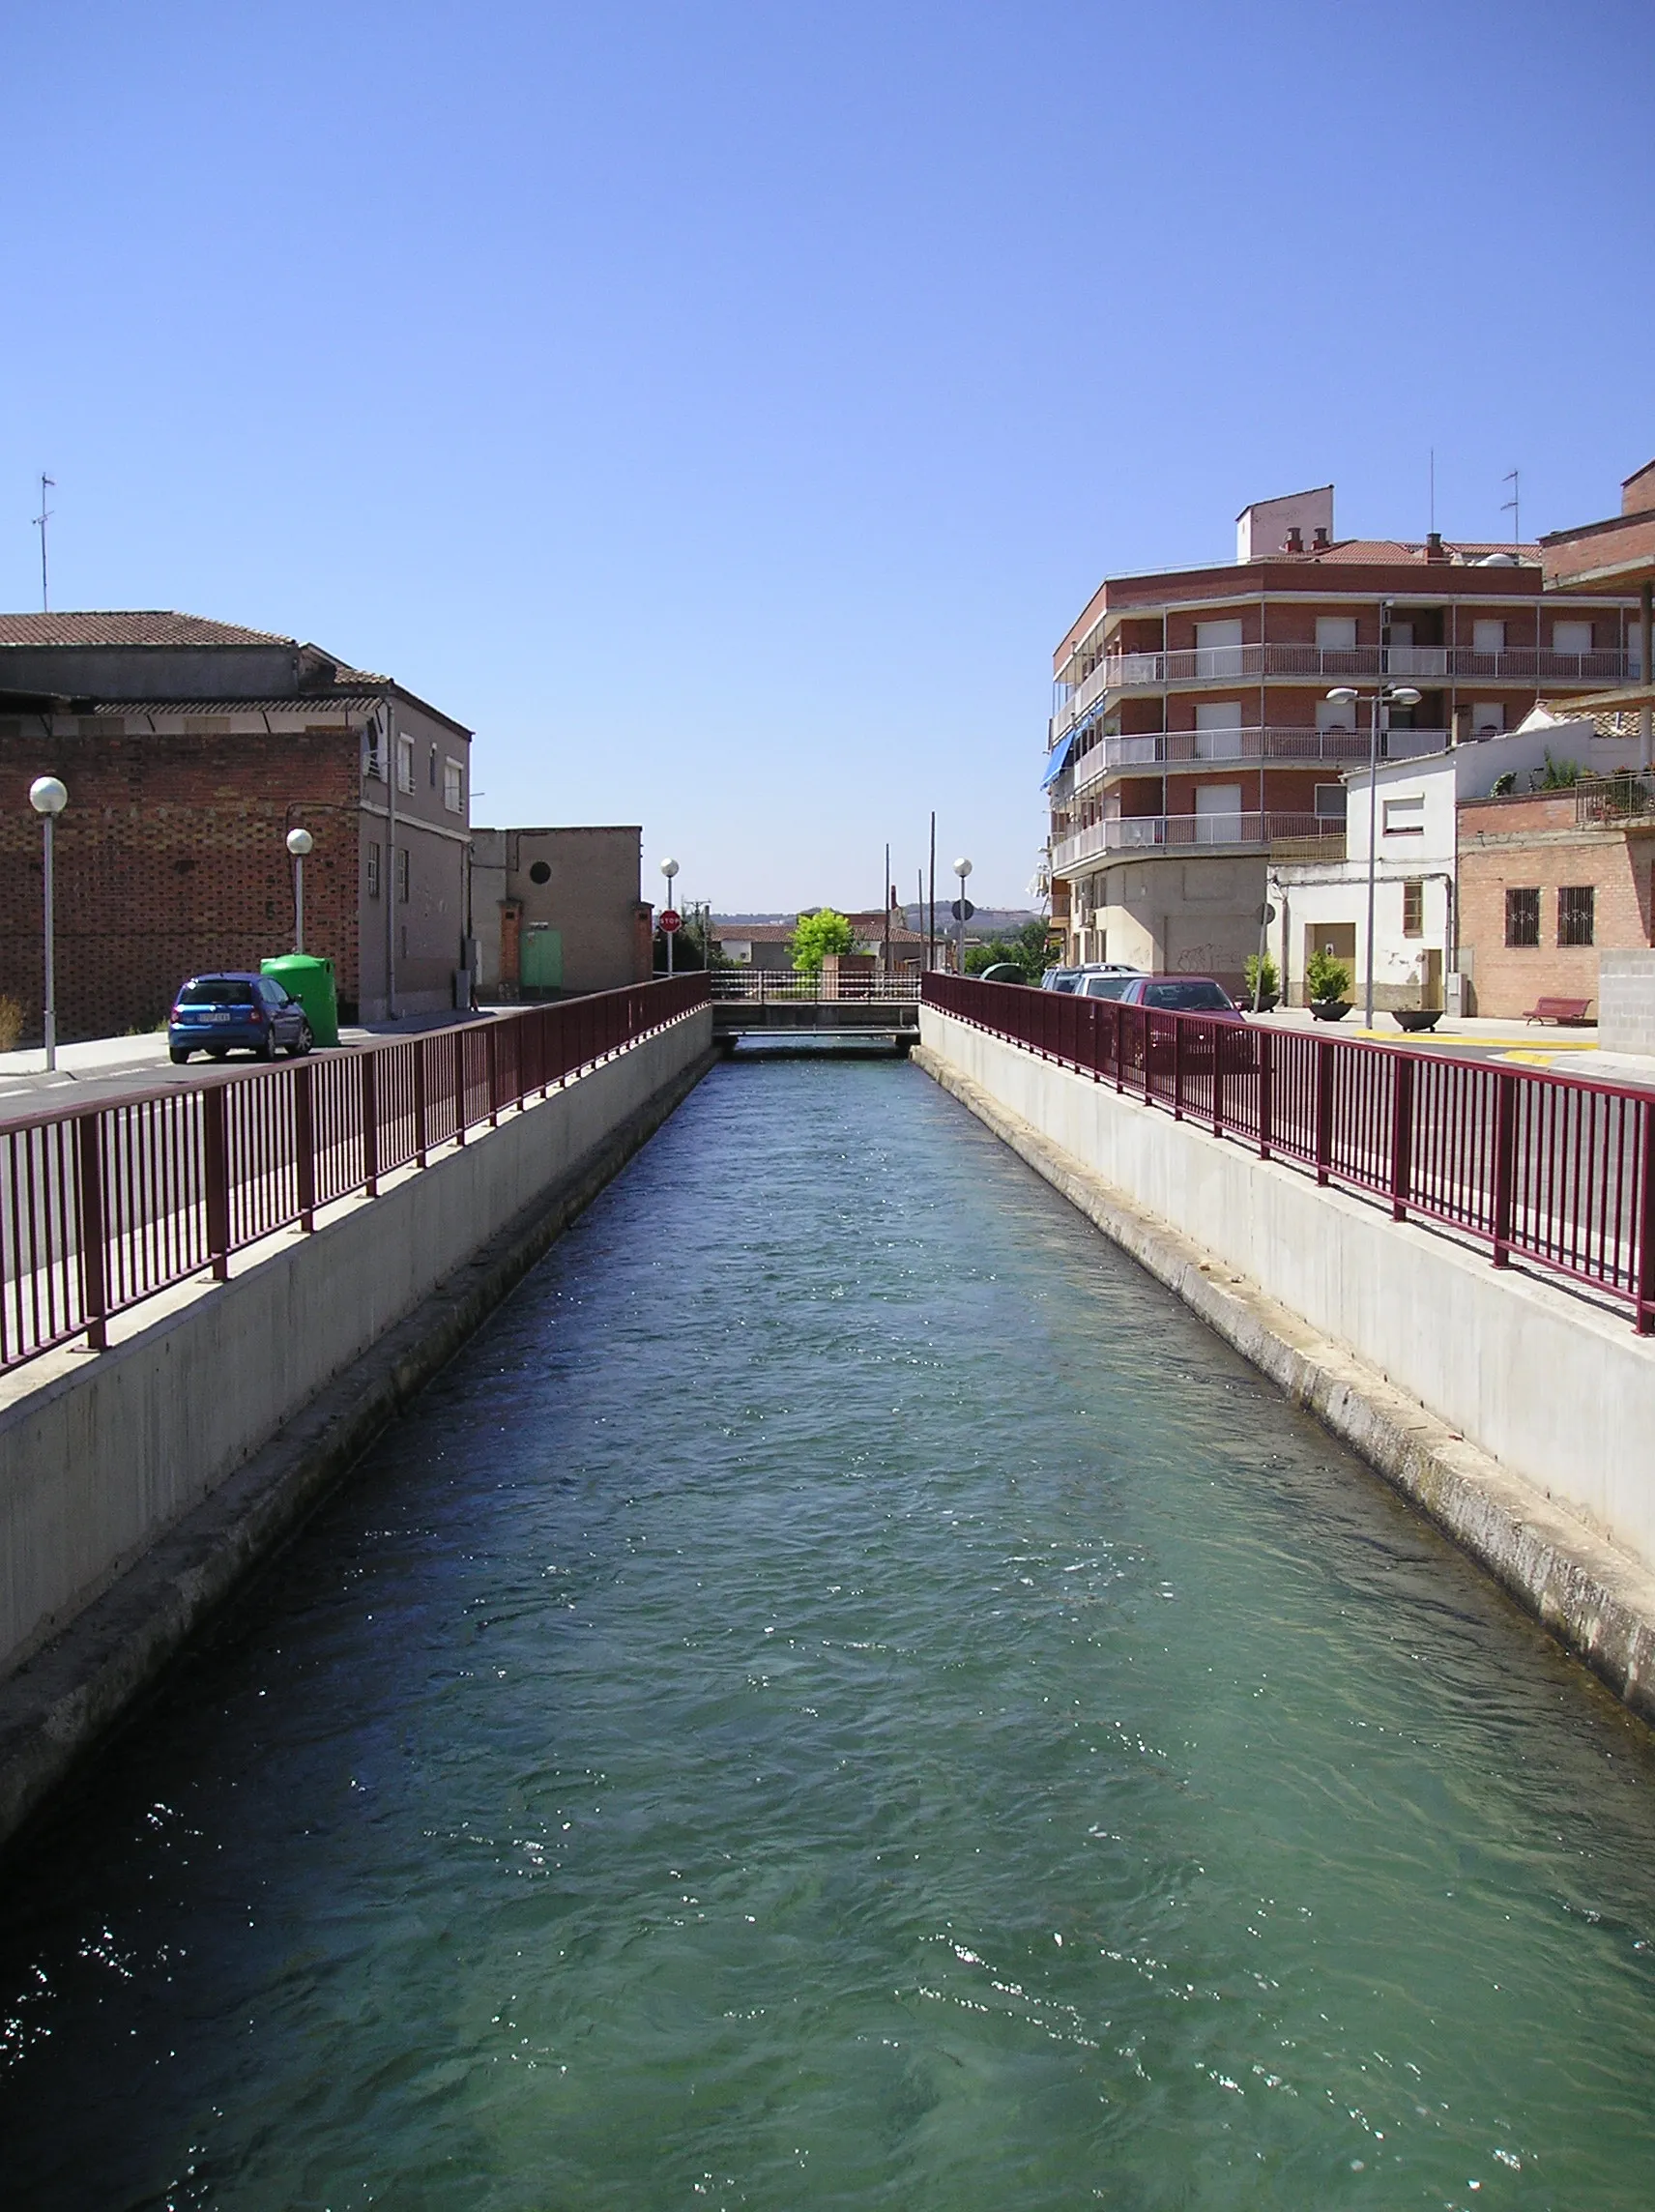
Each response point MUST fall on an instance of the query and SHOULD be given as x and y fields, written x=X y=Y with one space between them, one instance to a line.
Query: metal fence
x=103 y=1208
x=1546 y=1169
x=777 y=986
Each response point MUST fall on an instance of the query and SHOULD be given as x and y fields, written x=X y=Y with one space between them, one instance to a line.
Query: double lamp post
x=1380 y=701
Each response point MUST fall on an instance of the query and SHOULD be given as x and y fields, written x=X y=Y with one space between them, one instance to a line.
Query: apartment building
x=1193 y=741
x=190 y=749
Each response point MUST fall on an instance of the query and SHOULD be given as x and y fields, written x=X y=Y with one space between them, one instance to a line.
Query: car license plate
x=221 y=1014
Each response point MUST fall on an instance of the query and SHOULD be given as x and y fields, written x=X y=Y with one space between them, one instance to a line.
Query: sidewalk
x=1527 y=1044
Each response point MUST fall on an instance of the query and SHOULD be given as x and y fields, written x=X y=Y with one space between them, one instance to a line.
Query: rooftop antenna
x=1515 y=508
x=1432 y=523
x=48 y=484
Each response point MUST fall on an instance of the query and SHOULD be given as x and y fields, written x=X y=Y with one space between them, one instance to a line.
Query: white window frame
x=453 y=786
x=405 y=765
x=1404 y=815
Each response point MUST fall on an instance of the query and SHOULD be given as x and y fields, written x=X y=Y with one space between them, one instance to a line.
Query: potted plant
x=1264 y=987
x=1327 y=981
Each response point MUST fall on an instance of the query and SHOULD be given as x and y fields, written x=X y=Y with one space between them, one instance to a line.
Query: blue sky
x=724 y=408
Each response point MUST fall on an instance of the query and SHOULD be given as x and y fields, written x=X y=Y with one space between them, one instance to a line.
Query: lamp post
x=299 y=843
x=1382 y=700
x=669 y=869
x=48 y=798
x=962 y=868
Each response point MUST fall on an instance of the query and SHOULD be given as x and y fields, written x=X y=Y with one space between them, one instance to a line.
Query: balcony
x=1319 y=664
x=1194 y=748
x=1195 y=833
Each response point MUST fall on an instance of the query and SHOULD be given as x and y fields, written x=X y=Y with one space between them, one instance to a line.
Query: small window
x=1414 y=908
x=402 y=874
x=433 y=767
x=1576 y=904
x=1331 y=802
x=1405 y=816
x=454 y=787
x=1522 y=918
x=373 y=753
x=1336 y=633
x=373 y=871
x=1488 y=638
x=1571 y=637
x=405 y=764
x=540 y=872
x=1488 y=717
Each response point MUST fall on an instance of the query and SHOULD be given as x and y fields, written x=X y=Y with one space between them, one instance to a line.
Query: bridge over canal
x=873 y=1010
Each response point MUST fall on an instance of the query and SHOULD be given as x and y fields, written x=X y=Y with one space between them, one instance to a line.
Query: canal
x=847 y=1696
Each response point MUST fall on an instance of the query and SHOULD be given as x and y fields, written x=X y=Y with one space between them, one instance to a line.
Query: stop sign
x=671 y=919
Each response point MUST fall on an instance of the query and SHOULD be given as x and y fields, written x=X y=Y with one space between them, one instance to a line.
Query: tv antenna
x=1514 y=508
x=48 y=484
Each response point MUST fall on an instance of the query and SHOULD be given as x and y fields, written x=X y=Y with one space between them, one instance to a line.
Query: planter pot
x=1417 y=1017
x=1268 y=1002
x=1331 y=1009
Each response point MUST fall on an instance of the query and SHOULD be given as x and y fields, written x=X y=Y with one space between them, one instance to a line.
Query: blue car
x=220 y=1014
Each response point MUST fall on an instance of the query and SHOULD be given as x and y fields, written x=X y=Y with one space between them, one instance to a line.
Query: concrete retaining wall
x=1521 y=1417
x=1626 y=1002
x=102 y=1455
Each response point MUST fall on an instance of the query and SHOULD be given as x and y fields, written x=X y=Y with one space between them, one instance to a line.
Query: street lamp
x=669 y=869
x=962 y=868
x=1382 y=700
x=48 y=798
x=299 y=843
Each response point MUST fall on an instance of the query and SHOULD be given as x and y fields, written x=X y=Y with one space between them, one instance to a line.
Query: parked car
x=1156 y=1042
x=225 y=1013
x=1059 y=979
x=1072 y=978
x=1106 y=982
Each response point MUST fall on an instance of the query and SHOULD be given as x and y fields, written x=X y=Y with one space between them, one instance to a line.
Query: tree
x=1026 y=950
x=1325 y=977
x=816 y=935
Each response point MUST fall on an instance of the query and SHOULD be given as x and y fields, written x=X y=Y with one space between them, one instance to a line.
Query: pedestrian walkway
x=1527 y=1044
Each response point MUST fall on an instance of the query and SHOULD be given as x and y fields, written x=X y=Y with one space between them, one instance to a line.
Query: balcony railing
x=1603 y=802
x=1326 y=664
x=1189 y=833
x=1172 y=748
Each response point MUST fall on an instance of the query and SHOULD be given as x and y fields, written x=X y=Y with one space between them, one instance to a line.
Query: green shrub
x=1269 y=987
x=1326 y=978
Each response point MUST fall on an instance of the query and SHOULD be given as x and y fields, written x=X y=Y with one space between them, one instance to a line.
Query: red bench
x=1562 y=1010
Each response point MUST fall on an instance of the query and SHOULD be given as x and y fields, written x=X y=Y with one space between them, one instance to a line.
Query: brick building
x=1548 y=880
x=559 y=912
x=1193 y=741
x=190 y=749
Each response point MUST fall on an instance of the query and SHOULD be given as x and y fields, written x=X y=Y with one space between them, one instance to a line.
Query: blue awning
x=1058 y=761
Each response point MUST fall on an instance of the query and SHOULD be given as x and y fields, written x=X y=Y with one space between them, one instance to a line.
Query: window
x=1218 y=645
x=402 y=875
x=405 y=764
x=373 y=871
x=1336 y=633
x=1414 y=908
x=1522 y=918
x=1405 y=816
x=1574 y=913
x=373 y=755
x=1488 y=717
x=453 y=786
x=1488 y=638
x=540 y=872
x=215 y=991
x=433 y=767
x=1331 y=802
x=1571 y=637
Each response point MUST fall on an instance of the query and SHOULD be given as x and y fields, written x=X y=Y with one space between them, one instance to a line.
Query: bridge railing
x=101 y=1208
x=1554 y=1171
x=779 y=986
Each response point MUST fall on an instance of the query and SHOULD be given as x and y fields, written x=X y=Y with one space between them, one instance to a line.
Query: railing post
x=1324 y=1080
x=491 y=1045
x=420 y=1080
x=1402 y=1136
x=215 y=1168
x=369 y=1065
x=1118 y=1015
x=1645 y=1280
x=1505 y=1165
x=1178 y=1021
x=1218 y=1047
x=305 y=1141
x=462 y=1038
x=1267 y=1089
x=90 y=1227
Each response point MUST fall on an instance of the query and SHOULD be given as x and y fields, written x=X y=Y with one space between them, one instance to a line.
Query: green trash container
x=309 y=978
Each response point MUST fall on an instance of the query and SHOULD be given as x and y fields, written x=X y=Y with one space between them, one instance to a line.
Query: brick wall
x=170 y=860
x=1531 y=842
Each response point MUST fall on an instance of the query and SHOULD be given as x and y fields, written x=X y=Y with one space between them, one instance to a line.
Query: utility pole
x=48 y=484
x=931 y=907
x=1513 y=507
x=885 y=902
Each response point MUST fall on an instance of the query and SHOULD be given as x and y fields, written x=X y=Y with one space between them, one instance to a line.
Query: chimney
x=1295 y=540
x=1434 y=546
x=1320 y=542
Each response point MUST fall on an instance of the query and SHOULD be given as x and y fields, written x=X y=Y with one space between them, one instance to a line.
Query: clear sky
x=724 y=408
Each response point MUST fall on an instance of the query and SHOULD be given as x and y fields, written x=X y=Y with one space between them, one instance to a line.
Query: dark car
x=220 y=1014
x=1157 y=1041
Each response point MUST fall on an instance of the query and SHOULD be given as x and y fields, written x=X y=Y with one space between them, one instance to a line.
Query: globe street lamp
x=48 y=798
x=1382 y=700
x=669 y=869
x=962 y=868
x=299 y=843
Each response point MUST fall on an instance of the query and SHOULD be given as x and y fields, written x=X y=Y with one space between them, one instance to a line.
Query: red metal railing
x=101 y=1208
x=1546 y=1169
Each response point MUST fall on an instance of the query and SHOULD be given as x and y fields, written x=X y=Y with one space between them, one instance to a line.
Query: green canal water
x=847 y=1696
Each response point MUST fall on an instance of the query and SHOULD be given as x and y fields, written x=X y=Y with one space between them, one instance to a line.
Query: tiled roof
x=144 y=627
x=1398 y=550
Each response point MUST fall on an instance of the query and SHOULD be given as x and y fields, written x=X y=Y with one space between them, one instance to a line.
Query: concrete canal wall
x=1520 y=1417
x=137 y=1484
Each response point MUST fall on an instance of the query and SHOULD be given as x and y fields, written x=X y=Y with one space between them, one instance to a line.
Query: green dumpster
x=310 y=980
